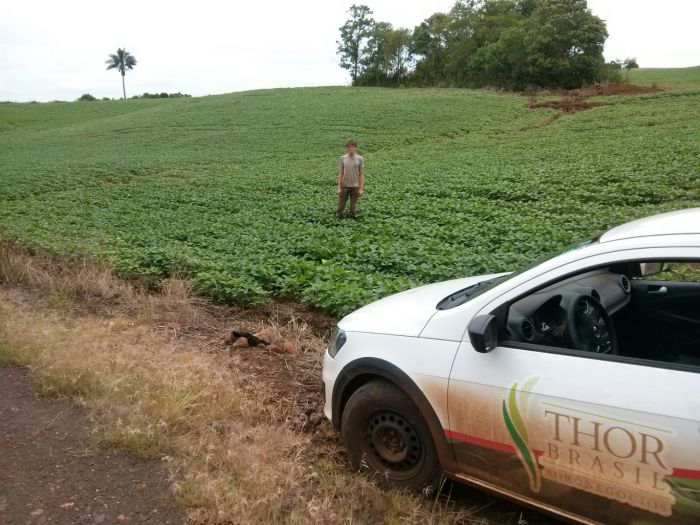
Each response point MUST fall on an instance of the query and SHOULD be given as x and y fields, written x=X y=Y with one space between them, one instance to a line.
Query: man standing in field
x=351 y=179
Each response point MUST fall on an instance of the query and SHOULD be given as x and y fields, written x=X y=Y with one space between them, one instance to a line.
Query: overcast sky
x=55 y=50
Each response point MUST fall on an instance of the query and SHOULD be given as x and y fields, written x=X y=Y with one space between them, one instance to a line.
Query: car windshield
x=464 y=295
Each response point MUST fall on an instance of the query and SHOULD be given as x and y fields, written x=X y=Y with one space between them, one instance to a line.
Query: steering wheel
x=590 y=327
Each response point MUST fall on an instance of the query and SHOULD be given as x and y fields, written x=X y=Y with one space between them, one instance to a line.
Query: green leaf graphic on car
x=514 y=408
x=687 y=493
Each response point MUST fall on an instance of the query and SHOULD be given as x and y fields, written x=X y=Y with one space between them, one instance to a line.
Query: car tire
x=387 y=437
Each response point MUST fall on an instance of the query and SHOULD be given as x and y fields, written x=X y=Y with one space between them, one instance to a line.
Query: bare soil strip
x=573 y=100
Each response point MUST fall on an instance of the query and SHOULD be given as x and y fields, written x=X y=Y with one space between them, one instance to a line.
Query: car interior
x=647 y=310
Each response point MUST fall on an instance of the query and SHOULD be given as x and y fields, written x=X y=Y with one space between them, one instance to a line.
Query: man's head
x=351 y=145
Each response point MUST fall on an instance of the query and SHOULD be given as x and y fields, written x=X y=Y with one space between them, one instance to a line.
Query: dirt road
x=51 y=473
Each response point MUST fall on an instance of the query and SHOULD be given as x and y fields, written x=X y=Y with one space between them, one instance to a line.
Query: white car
x=572 y=385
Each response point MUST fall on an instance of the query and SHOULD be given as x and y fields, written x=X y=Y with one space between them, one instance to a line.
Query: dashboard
x=542 y=317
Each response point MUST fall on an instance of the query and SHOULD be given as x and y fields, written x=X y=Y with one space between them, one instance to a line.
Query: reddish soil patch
x=296 y=379
x=603 y=91
x=49 y=474
x=572 y=100
x=566 y=104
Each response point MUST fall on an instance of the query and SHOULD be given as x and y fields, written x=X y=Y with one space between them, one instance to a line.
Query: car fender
x=362 y=370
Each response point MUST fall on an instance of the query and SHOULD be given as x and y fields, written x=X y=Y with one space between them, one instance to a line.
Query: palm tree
x=121 y=60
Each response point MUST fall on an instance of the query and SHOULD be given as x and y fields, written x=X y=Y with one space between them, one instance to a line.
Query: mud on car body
x=572 y=386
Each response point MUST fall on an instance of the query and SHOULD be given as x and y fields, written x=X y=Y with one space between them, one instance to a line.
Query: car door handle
x=657 y=290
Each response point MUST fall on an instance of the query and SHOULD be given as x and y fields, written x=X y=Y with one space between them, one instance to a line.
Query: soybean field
x=238 y=191
x=682 y=77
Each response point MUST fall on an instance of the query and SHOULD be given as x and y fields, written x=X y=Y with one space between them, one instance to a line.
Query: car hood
x=405 y=313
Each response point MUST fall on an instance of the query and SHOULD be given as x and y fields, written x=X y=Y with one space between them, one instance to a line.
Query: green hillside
x=238 y=191
x=675 y=78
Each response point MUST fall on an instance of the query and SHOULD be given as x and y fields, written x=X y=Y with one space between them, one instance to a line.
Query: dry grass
x=154 y=373
x=70 y=280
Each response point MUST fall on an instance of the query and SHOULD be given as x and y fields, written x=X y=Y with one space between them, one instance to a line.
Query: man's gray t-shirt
x=351 y=170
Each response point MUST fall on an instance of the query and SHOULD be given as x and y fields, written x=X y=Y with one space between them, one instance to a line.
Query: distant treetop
x=513 y=44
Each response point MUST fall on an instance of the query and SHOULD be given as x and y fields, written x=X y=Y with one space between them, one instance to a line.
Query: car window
x=461 y=296
x=617 y=312
x=570 y=248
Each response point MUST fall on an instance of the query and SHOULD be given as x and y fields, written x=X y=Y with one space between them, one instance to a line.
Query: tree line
x=512 y=44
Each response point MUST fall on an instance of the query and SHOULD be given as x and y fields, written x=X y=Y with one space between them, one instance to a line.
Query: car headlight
x=337 y=341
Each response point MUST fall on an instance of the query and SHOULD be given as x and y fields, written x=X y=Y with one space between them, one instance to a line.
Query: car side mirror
x=650 y=268
x=483 y=333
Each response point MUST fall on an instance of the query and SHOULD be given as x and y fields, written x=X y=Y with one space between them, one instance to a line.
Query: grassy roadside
x=154 y=374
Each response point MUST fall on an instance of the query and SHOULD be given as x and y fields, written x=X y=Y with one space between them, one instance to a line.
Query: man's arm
x=362 y=180
x=340 y=178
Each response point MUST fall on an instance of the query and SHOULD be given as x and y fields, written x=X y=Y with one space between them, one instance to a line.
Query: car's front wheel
x=385 y=434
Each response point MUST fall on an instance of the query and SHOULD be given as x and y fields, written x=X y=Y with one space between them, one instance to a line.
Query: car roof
x=681 y=222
